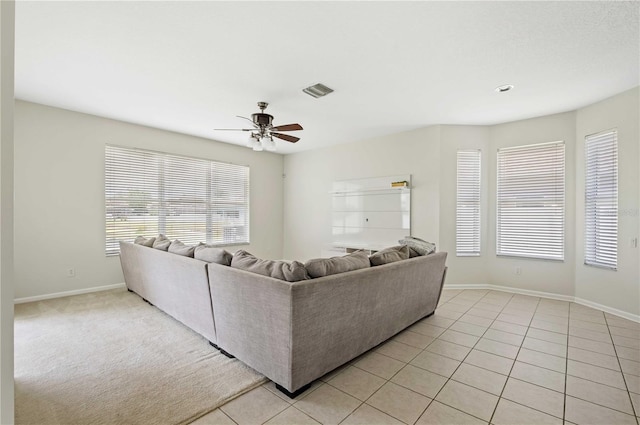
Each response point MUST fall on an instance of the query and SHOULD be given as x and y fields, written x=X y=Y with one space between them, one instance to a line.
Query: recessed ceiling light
x=317 y=90
x=505 y=88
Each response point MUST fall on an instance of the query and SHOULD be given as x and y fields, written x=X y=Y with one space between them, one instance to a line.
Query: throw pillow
x=291 y=272
x=162 y=243
x=319 y=267
x=419 y=246
x=141 y=240
x=179 y=248
x=389 y=255
x=212 y=255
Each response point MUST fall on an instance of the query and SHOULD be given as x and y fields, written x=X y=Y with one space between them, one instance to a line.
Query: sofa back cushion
x=212 y=255
x=389 y=255
x=141 y=240
x=319 y=267
x=162 y=243
x=291 y=272
x=179 y=248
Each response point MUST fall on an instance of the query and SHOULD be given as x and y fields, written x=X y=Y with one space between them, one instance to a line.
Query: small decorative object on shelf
x=403 y=183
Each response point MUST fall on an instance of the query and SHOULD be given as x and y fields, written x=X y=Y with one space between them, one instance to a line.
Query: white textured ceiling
x=191 y=67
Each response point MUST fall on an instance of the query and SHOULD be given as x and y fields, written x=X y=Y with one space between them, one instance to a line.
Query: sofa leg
x=294 y=394
x=129 y=290
x=231 y=356
x=147 y=301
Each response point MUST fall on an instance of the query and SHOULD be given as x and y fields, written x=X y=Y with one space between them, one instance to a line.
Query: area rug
x=110 y=358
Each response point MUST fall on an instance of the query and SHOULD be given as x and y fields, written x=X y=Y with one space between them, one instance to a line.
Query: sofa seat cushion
x=291 y=272
x=162 y=243
x=180 y=248
x=212 y=255
x=389 y=255
x=141 y=240
x=319 y=267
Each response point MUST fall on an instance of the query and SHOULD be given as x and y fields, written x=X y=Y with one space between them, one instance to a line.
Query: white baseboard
x=549 y=295
x=610 y=310
x=68 y=293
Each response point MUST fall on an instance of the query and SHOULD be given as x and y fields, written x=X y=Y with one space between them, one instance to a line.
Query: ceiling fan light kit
x=263 y=131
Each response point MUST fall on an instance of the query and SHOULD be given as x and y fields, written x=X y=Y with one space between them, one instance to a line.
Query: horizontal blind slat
x=191 y=199
x=530 y=201
x=601 y=200
x=468 y=203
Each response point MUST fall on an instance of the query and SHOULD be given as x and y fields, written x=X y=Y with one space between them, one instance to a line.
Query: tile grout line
x=386 y=380
x=461 y=361
x=514 y=360
x=480 y=337
x=389 y=380
x=566 y=361
x=566 y=369
x=508 y=376
x=277 y=413
x=223 y=412
x=448 y=378
x=514 y=363
x=624 y=378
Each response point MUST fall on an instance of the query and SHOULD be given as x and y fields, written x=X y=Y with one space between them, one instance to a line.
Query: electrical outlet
x=633 y=242
x=71 y=272
x=518 y=270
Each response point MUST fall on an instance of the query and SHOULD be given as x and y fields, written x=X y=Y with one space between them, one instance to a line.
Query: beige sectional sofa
x=176 y=284
x=292 y=332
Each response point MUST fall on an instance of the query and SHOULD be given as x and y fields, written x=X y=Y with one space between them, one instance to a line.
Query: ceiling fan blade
x=234 y=129
x=248 y=119
x=288 y=127
x=286 y=137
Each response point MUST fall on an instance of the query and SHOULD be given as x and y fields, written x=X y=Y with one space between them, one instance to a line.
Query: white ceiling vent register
x=317 y=90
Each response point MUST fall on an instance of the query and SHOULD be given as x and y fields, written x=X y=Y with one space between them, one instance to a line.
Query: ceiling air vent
x=317 y=90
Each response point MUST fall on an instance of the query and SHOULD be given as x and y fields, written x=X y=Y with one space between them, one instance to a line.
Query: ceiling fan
x=263 y=131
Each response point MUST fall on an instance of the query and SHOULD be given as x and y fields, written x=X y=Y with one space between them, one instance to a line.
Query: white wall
x=7 y=21
x=618 y=289
x=59 y=195
x=429 y=154
x=309 y=177
x=539 y=275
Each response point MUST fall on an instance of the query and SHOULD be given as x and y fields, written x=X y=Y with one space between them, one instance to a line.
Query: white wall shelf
x=373 y=190
x=369 y=213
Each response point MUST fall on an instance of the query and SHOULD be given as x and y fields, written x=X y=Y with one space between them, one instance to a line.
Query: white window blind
x=194 y=200
x=468 y=203
x=530 y=201
x=601 y=200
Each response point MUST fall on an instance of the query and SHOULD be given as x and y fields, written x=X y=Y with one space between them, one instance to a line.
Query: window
x=530 y=201
x=468 y=203
x=194 y=200
x=601 y=200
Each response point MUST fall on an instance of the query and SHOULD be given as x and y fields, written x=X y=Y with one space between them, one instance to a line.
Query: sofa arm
x=252 y=315
x=131 y=270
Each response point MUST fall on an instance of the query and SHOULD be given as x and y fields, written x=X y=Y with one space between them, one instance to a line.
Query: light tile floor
x=483 y=357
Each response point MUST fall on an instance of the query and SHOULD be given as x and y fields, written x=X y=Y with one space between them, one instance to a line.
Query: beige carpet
x=110 y=358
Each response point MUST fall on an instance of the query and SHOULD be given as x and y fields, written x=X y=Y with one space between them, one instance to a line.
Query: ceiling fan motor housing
x=262 y=119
